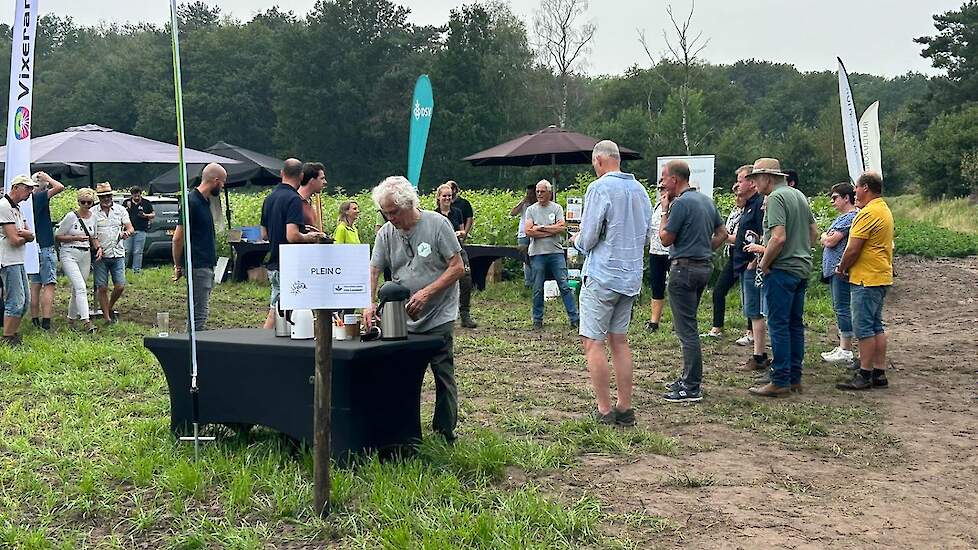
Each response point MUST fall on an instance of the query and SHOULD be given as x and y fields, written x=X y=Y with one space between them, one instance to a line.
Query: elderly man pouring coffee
x=423 y=254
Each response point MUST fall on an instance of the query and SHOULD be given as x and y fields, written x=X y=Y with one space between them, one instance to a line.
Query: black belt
x=690 y=261
x=78 y=248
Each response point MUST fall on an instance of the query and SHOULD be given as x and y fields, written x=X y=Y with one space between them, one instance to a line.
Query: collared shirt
x=752 y=219
x=10 y=254
x=110 y=226
x=693 y=219
x=874 y=224
x=614 y=228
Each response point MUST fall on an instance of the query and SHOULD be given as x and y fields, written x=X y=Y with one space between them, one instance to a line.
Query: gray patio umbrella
x=90 y=144
x=254 y=167
x=57 y=169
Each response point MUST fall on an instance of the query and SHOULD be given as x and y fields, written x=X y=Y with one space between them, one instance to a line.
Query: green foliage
x=954 y=49
x=931 y=241
x=947 y=141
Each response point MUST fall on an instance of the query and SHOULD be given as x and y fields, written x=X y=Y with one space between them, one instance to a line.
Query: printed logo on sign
x=298 y=287
x=349 y=289
x=420 y=111
x=22 y=123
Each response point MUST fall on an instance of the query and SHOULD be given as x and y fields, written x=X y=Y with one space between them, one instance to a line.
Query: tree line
x=334 y=85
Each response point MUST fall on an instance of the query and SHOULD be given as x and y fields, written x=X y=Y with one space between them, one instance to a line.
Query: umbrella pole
x=227 y=206
x=91 y=175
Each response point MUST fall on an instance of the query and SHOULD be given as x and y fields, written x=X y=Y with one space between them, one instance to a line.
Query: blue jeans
x=840 y=303
x=867 y=310
x=134 y=249
x=556 y=266
x=16 y=297
x=785 y=295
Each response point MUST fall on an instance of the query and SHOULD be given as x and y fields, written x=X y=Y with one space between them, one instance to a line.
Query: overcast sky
x=871 y=36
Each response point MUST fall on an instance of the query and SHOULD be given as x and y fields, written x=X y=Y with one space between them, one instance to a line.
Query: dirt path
x=916 y=486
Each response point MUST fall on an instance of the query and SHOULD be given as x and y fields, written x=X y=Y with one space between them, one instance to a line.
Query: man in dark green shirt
x=789 y=231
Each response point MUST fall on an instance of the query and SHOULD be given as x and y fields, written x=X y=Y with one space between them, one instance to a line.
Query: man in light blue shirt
x=613 y=236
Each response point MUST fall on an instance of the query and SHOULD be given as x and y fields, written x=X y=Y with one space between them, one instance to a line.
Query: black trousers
x=724 y=283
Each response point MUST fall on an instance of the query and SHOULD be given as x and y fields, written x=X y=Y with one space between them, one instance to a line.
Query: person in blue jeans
x=141 y=215
x=833 y=241
x=545 y=228
x=789 y=231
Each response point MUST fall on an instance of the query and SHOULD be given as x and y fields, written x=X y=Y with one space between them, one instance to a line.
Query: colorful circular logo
x=22 y=123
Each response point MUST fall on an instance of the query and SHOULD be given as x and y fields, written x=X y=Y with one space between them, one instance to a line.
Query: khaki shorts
x=603 y=311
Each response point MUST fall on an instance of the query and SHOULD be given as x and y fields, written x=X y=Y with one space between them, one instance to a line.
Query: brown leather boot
x=770 y=390
x=751 y=364
x=796 y=388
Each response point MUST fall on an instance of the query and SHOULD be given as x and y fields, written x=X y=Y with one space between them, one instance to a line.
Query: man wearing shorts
x=42 y=282
x=749 y=231
x=114 y=227
x=868 y=260
x=614 y=226
x=14 y=236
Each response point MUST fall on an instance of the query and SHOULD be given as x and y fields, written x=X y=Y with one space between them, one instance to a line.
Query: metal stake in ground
x=320 y=410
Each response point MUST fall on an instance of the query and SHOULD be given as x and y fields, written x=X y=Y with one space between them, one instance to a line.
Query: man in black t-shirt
x=282 y=222
x=141 y=214
x=42 y=282
x=465 y=206
x=203 y=243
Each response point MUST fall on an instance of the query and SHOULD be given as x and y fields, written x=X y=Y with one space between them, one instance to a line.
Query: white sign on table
x=324 y=276
x=701 y=168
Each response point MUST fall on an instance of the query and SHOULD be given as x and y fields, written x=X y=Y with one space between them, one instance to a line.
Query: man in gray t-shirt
x=545 y=228
x=422 y=253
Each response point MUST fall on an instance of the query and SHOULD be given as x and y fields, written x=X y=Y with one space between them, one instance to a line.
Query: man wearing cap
x=42 y=282
x=692 y=228
x=13 y=240
x=114 y=227
x=789 y=231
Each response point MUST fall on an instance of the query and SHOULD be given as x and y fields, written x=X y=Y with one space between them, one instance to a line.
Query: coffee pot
x=302 y=324
x=283 y=321
x=392 y=298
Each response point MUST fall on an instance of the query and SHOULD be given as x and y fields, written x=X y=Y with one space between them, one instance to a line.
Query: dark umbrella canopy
x=252 y=167
x=57 y=169
x=549 y=146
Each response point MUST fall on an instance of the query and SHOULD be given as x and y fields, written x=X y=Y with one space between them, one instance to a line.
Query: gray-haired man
x=420 y=249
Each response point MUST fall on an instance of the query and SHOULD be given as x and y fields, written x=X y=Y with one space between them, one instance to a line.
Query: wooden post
x=321 y=410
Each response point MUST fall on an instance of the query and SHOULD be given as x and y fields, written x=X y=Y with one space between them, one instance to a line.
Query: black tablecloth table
x=481 y=257
x=246 y=255
x=248 y=376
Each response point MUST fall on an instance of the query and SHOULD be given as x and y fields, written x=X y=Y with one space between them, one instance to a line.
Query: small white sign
x=324 y=276
x=701 y=171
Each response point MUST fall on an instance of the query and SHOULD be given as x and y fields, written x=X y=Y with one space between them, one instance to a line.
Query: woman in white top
x=658 y=264
x=76 y=253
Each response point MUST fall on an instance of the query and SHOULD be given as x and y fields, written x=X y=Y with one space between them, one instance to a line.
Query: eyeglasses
x=86 y=203
x=660 y=188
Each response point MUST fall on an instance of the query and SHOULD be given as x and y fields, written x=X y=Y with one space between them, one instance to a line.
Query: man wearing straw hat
x=13 y=239
x=114 y=227
x=789 y=231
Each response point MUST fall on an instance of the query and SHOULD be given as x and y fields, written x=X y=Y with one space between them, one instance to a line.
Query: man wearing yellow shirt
x=869 y=262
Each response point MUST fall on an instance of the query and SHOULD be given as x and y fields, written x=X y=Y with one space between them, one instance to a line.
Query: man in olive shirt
x=868 y=260
x=789 y=231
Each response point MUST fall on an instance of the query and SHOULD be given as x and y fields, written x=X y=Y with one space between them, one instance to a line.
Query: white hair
x=606 y=148
x=547 y=184
x=396 y=189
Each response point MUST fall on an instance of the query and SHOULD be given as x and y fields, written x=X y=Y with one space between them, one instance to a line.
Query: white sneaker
x=827 y=354
x=838 y=355
x=745 y=340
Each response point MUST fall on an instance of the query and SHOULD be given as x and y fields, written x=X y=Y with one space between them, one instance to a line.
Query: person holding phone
x=745 y=268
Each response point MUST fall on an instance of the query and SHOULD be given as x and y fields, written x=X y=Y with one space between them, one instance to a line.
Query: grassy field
x=86 y=458
x=957 y=215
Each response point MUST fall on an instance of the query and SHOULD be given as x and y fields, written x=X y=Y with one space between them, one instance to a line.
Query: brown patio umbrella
x=550 y=146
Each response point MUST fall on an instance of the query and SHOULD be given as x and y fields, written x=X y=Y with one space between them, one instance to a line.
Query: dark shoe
x=12 y=341
x=879 y=379
x=537 y=325
x=682 y=395
x=115 y=316
x=853 y=365
x=625 y=418
x=36 y=322
x=467 y=322
x=796 y=388
x=651 y=327
x=89 y=327
x=575 y=324
x=449 y=437
x=751 y=364
x=606 y=419
x=858 y=382
x=770 y=390
x=45 y=324
x=675 y=385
